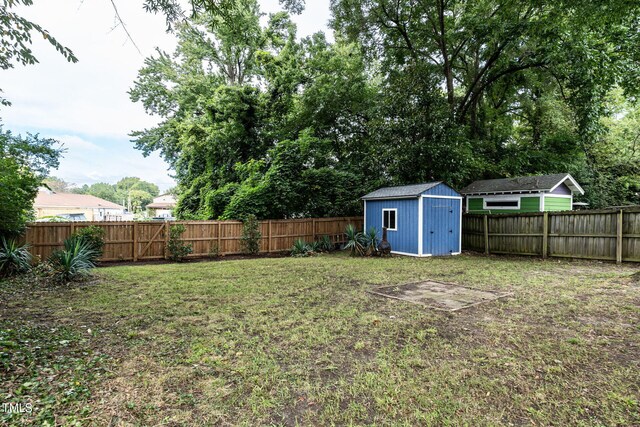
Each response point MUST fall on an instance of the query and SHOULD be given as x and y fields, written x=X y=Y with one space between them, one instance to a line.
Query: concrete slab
x=439 y=295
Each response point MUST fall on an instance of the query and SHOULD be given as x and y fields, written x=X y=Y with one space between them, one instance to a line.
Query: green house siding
x=530 y=204
x=557 y=203
x=475 y=204
x=527 y=204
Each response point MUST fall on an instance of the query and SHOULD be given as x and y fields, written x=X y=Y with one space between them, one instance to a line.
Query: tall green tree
x=249 y=139
x=466 y=80
x=24 y=164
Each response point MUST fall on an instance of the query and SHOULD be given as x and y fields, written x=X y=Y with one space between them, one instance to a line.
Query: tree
x=16 y=34
x=249 y=141
x=58 y=185
x=24 y=164
x=129 y=189
x=462 y=79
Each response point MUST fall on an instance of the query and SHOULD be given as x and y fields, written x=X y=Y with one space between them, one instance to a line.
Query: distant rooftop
x=50 y=199
x=523 y=184
x=401 y=191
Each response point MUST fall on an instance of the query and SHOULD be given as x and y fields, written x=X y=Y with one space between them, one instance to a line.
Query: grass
x=298 y=341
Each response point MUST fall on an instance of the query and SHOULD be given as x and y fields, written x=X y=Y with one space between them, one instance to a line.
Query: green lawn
x=298 y=341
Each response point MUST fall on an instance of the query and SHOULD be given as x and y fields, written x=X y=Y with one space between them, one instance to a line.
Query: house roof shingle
x=403 y=191
x=532 y=184
x=46 y=199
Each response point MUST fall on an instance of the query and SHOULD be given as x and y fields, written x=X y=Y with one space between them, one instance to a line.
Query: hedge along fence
x=612 y=235
x=141 y=241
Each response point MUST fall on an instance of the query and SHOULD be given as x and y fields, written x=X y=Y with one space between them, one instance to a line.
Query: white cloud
x=74 y=142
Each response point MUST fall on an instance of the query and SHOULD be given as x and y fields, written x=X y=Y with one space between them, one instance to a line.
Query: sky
x=85 y=105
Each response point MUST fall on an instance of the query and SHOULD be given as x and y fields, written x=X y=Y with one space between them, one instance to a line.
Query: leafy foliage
x=178 y=250
x=14 y=258
x=24 y=163
x=253 y=120
x=325 y=244
x=94 y=235
x=131 y=190
x=301 y=248
x=370 y=241
x=74 y=261
x=355 y=241
x=251 y=236
x=16 y=38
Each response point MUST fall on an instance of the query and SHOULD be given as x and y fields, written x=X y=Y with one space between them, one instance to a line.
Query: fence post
x=269 y=247
x=486 y=234
x=313 y=231
x=545 y=234
x=220 y=238
x=134 y=252
x=619 y=237
x=72 y=228
x=166 y=239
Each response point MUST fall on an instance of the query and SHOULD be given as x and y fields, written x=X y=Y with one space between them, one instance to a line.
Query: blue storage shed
x=421 y=219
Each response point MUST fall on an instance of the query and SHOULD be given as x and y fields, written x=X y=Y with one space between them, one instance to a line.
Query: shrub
x=251 y=236
x=93 y=235
x=370 y=241
x=214 y=251
x=355 y=241
x=14 y=258
x=300 y=248
x=325 y=244
x=74 y=261
x=178 y=250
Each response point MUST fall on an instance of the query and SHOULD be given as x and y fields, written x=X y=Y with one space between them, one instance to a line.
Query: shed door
x=441 y=230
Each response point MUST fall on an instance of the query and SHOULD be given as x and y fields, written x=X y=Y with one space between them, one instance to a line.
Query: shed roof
x=46 y=199
x=523 y=184
x=403 y=191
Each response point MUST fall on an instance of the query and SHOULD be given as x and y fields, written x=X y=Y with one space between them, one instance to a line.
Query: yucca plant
x=300 y=248
x=355 y=241
x=371 y=241
x=325 y=244
x=74 y=261
x=14 y=258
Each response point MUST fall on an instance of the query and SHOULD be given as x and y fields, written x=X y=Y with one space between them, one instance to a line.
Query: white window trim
x=500 y=199
x=389 y=210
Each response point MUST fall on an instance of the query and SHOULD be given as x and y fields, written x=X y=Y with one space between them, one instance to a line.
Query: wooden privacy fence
x=136 y=240
x=612 y=235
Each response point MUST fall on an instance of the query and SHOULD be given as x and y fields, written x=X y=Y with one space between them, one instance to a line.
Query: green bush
x=325 y=244
x=301 y=248
x=93 y=235
x=74 y=261
x=14 y=258
x=251 y=236
x=370 y=241
x=355 y=241
x=178 y=250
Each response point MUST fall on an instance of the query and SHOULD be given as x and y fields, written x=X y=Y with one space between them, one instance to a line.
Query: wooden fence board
x=612 y=235
x=146 y=240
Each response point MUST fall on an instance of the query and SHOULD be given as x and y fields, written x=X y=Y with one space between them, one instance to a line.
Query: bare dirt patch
x=439 y=295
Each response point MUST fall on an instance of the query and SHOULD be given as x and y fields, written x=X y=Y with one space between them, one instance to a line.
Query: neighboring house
x=162 y=206
x=523 y=194
x=421 y=220
x=76 y=207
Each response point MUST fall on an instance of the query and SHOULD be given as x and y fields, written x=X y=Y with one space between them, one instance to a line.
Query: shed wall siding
x=527 y=204
x=442 y=190
x=557 y=203
x=405 y=239
x=442 y=228
x=562 y=189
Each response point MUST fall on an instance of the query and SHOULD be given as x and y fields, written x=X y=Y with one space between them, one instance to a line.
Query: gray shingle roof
x=520 y=184
x=402 y=191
